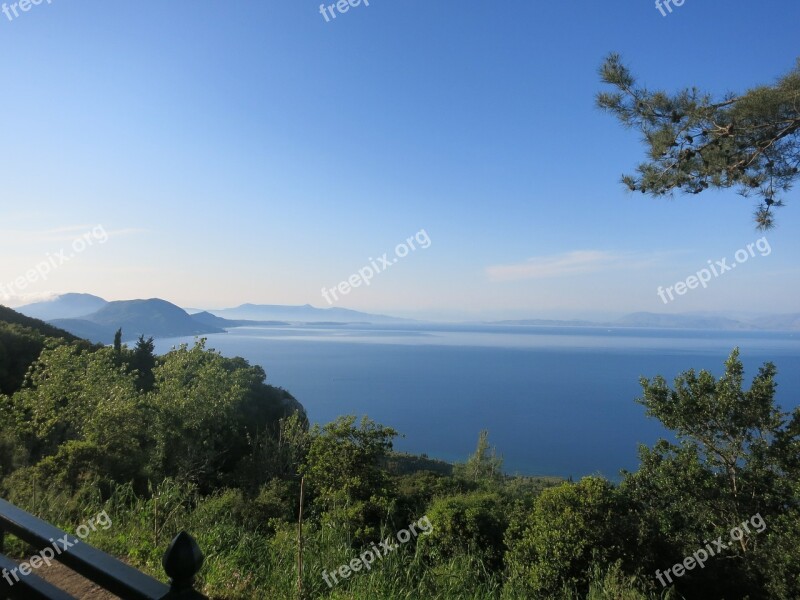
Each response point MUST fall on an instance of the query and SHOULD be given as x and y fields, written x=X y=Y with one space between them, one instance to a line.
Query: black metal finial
x=182 y=561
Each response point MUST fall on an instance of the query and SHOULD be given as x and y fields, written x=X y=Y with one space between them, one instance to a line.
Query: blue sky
x=253 y=152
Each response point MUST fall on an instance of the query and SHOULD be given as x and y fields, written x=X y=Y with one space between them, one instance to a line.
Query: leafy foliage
x=749 y=141
x=469 y=523
x=21 y=341
x=197 y=441
x=344 y=472
x=570 y=529
x=730 y=464
x=484 y=465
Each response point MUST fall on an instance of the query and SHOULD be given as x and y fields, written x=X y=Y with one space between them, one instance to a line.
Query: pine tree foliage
x=748 y=141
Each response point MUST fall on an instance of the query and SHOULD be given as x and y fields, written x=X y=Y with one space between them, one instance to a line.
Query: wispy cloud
x=60 y=234
x=17 y=300
x=569 y=263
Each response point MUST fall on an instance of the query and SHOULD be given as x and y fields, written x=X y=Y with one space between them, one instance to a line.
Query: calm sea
x=556 y=401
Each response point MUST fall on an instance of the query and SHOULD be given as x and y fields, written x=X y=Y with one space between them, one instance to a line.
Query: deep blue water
x=556 y=401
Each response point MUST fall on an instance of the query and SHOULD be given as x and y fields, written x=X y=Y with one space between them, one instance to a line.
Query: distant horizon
x=454 y=315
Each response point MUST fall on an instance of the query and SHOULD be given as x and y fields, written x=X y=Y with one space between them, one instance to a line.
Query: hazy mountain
x=97 y=320
x=100 y=334
x=302 y=314
x=782 y=322
x=65 y=306
x=675 y=321
x=546 y=323
x=153 y=317
x=663 y=321
x=206 y=318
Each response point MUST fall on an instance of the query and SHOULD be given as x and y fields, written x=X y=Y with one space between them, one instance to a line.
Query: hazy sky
x=253 y=152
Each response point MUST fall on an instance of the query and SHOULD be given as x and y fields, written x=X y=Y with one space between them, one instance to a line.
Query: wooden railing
x=182 y=561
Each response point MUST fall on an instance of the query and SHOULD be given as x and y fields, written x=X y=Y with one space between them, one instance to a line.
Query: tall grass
x=250 y=559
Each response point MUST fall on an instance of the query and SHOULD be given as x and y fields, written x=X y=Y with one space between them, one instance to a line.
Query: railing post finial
x=181 y=562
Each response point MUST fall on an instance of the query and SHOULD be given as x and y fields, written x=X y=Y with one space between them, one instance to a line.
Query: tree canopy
x=748 y=141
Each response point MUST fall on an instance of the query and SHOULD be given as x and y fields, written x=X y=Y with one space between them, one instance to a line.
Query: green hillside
x=21 y=341
x=153 y=317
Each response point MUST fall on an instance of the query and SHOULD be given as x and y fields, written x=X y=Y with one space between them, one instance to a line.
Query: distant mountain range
x=648 y=320
x=303 y=314
x=645 y=319
x=95 y=319
x=65 y=306
x=154 y=317
x=781 y=322
x=546 y=323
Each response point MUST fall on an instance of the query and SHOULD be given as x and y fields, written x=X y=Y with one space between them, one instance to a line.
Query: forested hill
x=89 y=413
x=9 y=316
x=21 y=341
x=195 y=441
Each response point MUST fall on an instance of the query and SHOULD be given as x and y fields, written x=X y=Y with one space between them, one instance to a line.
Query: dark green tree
x=79 y=416
x=471 y=524
x=748 y=141
x=344 y=471
x=484 y=464
x=208 y=409
x=118 y=342
x=571 y=529
x=143 y=360
x=736 y=457
x=22 y=339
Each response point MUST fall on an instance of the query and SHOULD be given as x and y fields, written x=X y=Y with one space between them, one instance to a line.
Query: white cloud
x=16 y=300
x=60 y=234
x=569 y=263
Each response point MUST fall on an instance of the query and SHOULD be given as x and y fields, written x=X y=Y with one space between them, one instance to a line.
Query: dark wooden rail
x=182 y=560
